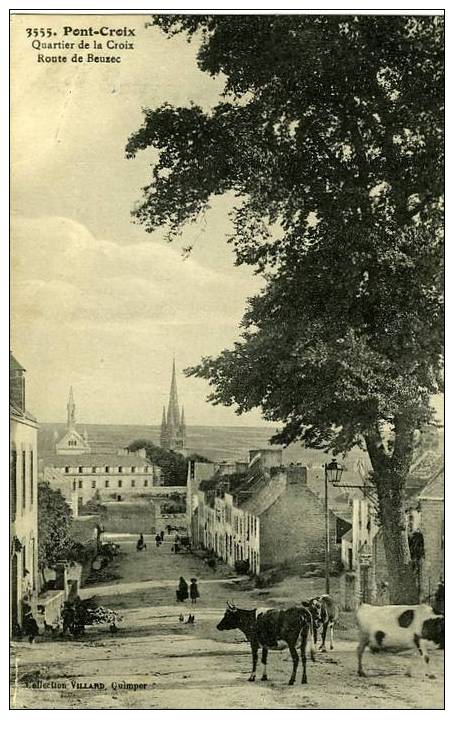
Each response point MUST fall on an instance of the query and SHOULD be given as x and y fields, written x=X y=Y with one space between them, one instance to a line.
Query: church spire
x=71 y=411
x=173 y=410
x=182 y=425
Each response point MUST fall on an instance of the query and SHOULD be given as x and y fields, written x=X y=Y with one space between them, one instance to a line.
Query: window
x=133 y=469
x=81 y=483
x=80 y=469
x=120 y=484
x=120 y=469
x=13 y=484
x=24 y=479
x=106 y=484
x=133 y=482
x=93 y=484
x=32 y=485
x=93 y=469
x=66 y=469
x=145 y=483
x=107 y=469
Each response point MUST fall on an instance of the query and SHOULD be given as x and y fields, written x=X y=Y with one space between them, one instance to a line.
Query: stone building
x=365 y=577
x=432 y=525
x=102 y=476
x=23 y=497
x=268 y=515
x=173 y=425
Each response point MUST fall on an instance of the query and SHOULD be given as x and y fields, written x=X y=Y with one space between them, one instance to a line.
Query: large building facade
x=102 y=476
x=23 y=497
x=261 y=512
x=173 y=425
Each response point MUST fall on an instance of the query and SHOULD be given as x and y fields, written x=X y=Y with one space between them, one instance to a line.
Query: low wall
x=48 y=608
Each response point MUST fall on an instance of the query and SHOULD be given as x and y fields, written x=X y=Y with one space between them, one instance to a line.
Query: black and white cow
x=325 y=614
x=394 y=627
x=266 y=629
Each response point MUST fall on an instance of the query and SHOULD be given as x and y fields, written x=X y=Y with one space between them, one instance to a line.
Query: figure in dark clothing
x=162 y=536
x=141 y=543
x=439 y=599
x=182 y=590
x=194 y=591
x=68 y=615
x=169 y=528
x=29 y=624
x=157 y=540
x=79 y=617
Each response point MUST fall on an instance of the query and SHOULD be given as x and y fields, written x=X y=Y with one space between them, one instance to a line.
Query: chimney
x=296 y=476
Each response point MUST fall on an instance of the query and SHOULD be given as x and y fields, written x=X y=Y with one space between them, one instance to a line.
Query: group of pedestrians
x=183 y=592
x=141 y=543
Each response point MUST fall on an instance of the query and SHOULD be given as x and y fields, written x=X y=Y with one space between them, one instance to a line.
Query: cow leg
x=363 y=642
x=331 y=635
x=313 y=642
x=324 y=631
x=255 y=655
x=294 y=654
x=422 y=650
x=264 y=657
x=304 y=635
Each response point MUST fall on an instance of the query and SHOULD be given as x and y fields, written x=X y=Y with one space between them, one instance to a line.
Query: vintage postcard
x=226 y=368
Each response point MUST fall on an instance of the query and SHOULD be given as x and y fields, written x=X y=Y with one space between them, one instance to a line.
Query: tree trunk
x=402 y=580
x=390 y=476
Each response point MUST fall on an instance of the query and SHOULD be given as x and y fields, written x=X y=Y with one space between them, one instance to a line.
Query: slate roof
x=264 y=497
x=95 y=459
x=14 y=364
x=16 y=412
x=435 y=488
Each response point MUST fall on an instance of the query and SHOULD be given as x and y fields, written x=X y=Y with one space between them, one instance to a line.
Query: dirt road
x=156 y=661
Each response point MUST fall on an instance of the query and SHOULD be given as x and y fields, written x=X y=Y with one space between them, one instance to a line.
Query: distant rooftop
x=95 y=459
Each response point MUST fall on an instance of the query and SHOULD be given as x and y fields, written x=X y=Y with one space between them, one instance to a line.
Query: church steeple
x=183 y=424
x=71 y=411
x=173 y=410
x=173 y=428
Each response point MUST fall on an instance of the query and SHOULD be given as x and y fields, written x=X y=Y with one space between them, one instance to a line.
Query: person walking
x=141 y=544
x=194 y=591
x=162 y=536
x=157 y=540
x=182 y=590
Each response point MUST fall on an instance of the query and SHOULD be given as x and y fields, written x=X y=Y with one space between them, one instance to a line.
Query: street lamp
x=333 y=474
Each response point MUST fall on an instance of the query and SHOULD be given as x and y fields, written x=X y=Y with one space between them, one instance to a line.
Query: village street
x=193 y=666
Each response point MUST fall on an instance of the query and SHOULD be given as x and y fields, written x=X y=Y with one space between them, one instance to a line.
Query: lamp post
x=333 y=474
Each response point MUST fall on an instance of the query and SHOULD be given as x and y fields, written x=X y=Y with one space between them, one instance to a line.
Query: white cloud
x=108 y=315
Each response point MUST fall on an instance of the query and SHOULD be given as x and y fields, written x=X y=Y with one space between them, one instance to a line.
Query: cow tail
x=307 y=620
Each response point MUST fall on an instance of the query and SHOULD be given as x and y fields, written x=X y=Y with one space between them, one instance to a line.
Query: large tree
x=330 y=135
x=54 y=524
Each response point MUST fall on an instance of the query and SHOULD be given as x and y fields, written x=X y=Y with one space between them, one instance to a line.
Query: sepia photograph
x=226 y=366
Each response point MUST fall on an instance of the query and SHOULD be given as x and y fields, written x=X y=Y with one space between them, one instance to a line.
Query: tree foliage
x=330 y=135
x=54 y=521
x=174 y=465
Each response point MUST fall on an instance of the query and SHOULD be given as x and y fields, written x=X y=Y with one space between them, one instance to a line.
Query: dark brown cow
x=266 y=629
x=325 y=614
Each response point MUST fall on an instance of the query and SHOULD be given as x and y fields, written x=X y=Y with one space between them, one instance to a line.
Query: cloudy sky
x=97 y=302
